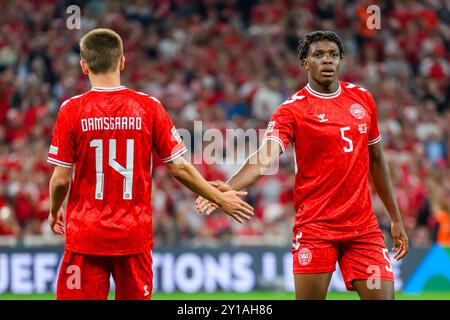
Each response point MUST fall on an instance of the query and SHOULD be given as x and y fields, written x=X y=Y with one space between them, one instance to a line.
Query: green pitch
x=243 y=296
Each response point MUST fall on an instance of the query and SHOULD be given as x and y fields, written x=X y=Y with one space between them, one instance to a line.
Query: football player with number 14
x=102 y=147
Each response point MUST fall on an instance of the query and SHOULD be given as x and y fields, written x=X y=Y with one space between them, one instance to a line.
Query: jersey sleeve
x=374 y=133
x=167 y=142
x=280 y=128
x=62 y=148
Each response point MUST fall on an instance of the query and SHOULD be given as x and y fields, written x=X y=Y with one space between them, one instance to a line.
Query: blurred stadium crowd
x=229 y=63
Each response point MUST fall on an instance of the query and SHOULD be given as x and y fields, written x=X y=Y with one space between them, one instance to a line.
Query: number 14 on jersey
x=126 y=172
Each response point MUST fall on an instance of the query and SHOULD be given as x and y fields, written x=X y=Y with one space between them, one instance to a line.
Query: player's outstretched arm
x=381 y=179
x=229 y=201
x=254 y=167
x=59 y=185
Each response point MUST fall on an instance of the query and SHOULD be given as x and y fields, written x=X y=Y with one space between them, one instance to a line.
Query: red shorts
x=86 y=277
x=360 y=257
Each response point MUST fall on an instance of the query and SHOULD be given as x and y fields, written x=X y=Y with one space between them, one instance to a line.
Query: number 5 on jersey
x=350 y=142
x=126 y=172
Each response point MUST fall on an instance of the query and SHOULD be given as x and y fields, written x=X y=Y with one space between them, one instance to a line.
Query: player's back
x=109 y=135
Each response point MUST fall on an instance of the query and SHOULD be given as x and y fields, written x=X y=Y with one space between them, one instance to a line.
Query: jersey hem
x=106 y=253
x=338 y=234
x=316 y=270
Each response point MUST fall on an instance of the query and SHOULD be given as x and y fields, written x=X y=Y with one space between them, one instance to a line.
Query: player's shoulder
x=72 y=101
x=144 y=97
x=352 y=89
x=298 y=99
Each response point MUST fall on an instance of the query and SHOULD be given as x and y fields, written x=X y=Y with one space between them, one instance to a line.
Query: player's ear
x=305 y=64
x=84 y=67
x=122 y=63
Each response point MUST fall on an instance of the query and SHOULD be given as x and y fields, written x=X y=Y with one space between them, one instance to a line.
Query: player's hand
x=57 y=224
x=206 y=207
x=235 y=207
x=401 y=242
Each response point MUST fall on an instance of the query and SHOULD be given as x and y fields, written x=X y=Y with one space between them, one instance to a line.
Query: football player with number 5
x=333 y=128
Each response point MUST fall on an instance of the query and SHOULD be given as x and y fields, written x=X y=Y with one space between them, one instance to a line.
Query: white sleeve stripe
x=175 y=155
x=59 y=164
x=276 y=139
x=64 y=103
x=377 y=138
x=74 y=97
x=374 y=140
x=59 y=161
x=154 y=99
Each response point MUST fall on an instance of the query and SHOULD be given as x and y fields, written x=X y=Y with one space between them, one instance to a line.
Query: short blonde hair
x=101 y=49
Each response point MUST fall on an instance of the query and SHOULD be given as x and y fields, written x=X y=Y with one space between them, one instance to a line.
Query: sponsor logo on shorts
x=296 y=244
x=304 y=256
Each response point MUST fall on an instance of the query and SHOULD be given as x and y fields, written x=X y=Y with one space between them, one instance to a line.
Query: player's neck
x=105 y=80
x=324 y=88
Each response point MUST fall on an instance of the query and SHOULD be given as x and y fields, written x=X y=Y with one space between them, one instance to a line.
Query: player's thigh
x=133 y=276
x=83 y=277
x=312 y=286
x=314 y=261
x=384 y=291
x=366 y=258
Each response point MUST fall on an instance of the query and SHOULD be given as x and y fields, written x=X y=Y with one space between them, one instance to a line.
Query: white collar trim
x=323 y=95
x=103 y=89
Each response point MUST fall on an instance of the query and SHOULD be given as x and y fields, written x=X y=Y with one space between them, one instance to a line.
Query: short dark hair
x=316 y=36
x=101 y=49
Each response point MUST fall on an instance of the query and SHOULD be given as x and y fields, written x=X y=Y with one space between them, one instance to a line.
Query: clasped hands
x=204 y=206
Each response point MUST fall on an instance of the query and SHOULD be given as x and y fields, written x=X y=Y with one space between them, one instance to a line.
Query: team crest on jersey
x=270 y=126
x=357 y=111
x=176 y=134
x=362 y=127
x=304 y=256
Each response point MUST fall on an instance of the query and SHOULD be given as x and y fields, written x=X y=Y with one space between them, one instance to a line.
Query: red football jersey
x=107 y=136
x=330 y=134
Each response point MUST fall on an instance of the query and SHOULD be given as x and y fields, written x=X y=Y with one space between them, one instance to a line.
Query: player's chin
x=324 y=80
